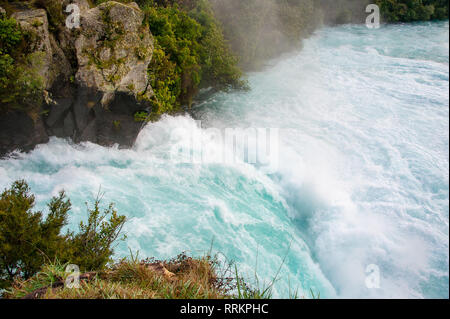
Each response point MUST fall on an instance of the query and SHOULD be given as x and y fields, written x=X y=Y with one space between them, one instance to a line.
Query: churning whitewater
x=362 y=179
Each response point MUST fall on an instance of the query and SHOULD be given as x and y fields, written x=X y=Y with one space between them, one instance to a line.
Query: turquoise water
x=363 y=172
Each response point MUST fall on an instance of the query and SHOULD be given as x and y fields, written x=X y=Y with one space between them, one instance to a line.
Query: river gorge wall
x=95 y=78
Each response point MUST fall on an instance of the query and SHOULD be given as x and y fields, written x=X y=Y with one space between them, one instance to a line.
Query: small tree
x=93 y=244
x=27 y=241
x=25 y=238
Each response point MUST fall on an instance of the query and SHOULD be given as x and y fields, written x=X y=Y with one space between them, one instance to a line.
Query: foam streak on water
x=363 y=179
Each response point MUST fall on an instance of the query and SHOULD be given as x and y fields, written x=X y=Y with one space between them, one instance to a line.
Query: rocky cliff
x=94 y=77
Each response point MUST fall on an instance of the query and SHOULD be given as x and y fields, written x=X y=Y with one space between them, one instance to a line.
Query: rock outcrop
x=19 y=131
x=94 y=76
x=113 y=51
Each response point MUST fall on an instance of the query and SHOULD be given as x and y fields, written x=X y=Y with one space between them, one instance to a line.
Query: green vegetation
x=28 y=241
x=20 y=83
x=413 y=10
x=181 y=278
x=55 y=10
x=190 y=52
x=117 y=126
x=262 y=29
x=141 y=116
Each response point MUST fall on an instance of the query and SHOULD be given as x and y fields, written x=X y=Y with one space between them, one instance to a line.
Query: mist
x=262 y=29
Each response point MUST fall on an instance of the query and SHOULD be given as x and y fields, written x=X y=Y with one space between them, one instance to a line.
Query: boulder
x=48 y=57
x=36 y=24
x=113 y=51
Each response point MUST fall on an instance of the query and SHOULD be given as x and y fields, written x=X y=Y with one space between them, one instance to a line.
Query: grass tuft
x=183 y=277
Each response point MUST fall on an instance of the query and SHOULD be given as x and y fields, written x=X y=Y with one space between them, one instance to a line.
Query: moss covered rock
x=94 y=78
x=113 y=51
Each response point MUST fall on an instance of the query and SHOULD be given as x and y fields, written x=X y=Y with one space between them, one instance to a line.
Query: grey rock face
x=20 y=132
x=113 y=50
x=35 y=22
x=95 y=76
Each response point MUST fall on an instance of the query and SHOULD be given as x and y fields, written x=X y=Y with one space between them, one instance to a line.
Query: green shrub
x=165 y=82
x=10 y=35
x=141 y=116
x=27 y=240
x=413 y=10
x=219 y=65
x=190 y=53
x=91 y=248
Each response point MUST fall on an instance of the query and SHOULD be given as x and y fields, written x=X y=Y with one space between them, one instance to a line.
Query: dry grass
x=183 y=278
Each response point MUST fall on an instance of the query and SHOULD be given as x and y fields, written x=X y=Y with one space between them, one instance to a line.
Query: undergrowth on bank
x=183 y=277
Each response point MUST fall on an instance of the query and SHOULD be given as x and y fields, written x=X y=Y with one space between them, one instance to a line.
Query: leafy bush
x=24 y=234
x=91 y=248
x=190 y=52
x=10 y=34
x=219 y=65
x=413 y=10
x=27 y=240
x=164 y=80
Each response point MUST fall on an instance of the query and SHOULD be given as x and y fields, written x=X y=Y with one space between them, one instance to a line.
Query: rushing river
x=362 y=182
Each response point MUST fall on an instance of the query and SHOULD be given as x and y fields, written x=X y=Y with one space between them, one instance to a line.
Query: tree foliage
x=190 y=52
x=27 y=240
x=91 y=248
x=413 y=10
